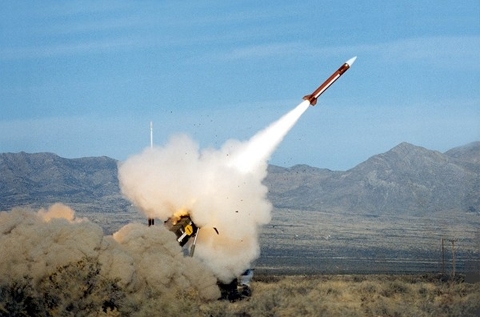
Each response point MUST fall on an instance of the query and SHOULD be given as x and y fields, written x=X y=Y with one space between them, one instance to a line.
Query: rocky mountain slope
x=407 y=178
x=41 y=179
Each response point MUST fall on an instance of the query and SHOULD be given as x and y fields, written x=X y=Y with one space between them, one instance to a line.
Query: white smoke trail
x=221 y=190
x=262 y=145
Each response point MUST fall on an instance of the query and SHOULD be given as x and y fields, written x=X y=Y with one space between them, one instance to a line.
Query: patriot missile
x=327 y=83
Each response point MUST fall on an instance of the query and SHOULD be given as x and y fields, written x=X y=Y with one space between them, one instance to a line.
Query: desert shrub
x=154 y=303
x=393 y=288
x=265 y=278
x=386 y=307
x=349 y=296
x=18 y=298
x=458 y=299
x=368 y=287
x=76 y=289
x=359 y=278
x=80 y=290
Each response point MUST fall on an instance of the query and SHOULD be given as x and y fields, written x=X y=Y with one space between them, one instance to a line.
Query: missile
x=327 y=83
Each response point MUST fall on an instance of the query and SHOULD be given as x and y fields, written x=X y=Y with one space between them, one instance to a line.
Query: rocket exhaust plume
x=261 y=146
x=221 y=190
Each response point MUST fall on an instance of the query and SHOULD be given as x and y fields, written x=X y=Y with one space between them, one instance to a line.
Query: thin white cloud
x=440 y=51
x=63 y=10
x=264 y=50
x=75 y=48
x=444 y=51
x=89 y=27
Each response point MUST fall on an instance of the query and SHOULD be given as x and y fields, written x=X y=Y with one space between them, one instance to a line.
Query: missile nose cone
x=351 y=61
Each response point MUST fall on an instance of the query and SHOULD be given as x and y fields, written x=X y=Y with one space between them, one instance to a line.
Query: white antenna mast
x=151 y=134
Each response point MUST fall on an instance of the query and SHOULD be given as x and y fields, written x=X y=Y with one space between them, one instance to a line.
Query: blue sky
x=86 y=78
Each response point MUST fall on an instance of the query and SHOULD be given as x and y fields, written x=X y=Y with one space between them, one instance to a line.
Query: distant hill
x=407 y=178
x=41 y=179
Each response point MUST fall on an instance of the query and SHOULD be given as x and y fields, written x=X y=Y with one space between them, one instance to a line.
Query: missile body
x=327 y=83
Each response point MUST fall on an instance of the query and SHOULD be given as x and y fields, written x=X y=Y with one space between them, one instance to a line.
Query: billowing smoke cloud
x=221 y=190
x=37 y=244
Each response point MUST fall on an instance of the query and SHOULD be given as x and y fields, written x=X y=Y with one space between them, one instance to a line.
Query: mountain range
x=407 y=178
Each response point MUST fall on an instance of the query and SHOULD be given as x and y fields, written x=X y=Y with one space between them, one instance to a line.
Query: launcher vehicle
x=185 y=229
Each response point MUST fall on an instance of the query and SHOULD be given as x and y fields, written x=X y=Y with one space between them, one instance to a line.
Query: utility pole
x=453 y=256
x=443 y=256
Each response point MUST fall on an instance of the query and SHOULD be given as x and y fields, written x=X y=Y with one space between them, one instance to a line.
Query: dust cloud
x=221 y=190
x=36 y=244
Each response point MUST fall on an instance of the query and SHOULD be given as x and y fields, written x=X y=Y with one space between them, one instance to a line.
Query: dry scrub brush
x=372 y=295
x=79 y=289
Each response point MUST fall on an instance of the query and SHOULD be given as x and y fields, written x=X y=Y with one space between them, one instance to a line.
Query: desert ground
x=354 y=295
x=273 y=295
x=312 y=264
x=300 y=242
